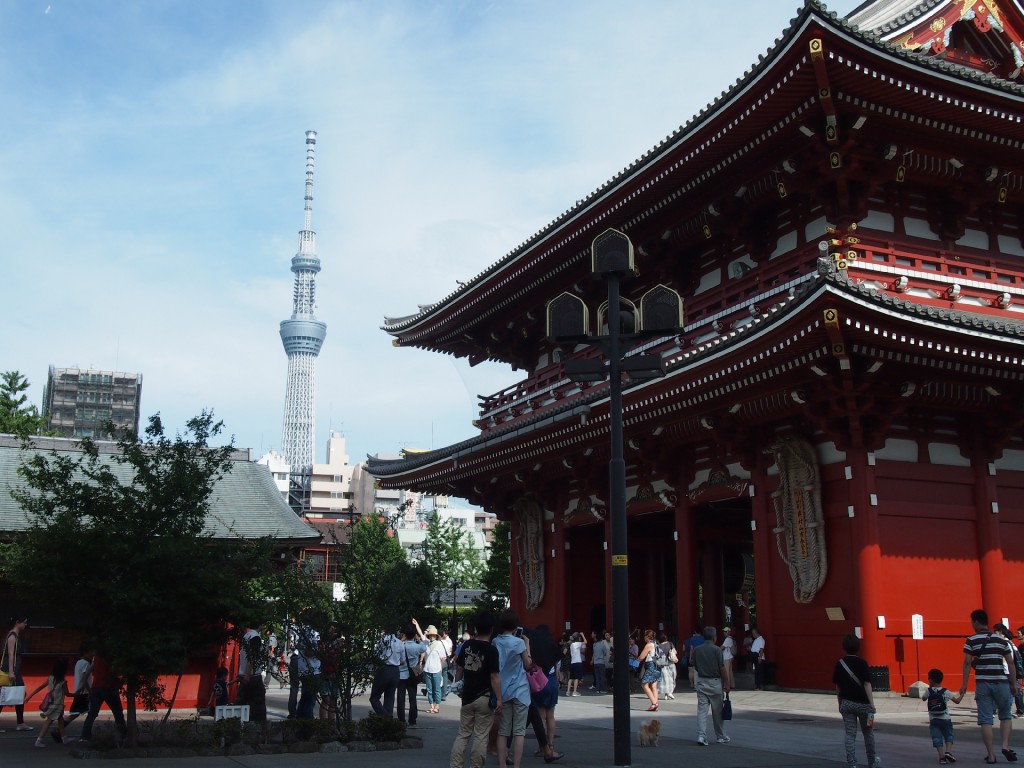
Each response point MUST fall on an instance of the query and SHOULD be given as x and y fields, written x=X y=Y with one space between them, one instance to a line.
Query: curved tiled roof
x=886 y=16
x=835 y=283
x=245 y=502
x=811 y=9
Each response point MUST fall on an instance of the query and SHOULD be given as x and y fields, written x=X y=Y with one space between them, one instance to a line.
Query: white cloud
x=152 y=169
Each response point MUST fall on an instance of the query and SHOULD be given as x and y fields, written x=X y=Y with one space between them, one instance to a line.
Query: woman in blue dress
x=651 y=674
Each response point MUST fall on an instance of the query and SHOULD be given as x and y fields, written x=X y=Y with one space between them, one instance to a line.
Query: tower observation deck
x=302 y=335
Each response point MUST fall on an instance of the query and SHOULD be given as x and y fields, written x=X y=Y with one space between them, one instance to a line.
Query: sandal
x=553 y=757
x=943 y=761
x=990 y=762
x=949 y=757
x=1010 y=755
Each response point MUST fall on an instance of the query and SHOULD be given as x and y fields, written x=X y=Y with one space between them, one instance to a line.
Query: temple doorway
x=724 y=562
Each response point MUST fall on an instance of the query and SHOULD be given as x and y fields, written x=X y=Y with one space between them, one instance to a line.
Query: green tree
x=449 y=553
x=383 y=591
x=473 y=565
x=117 y=543
x=16 y=416
x=497 y=574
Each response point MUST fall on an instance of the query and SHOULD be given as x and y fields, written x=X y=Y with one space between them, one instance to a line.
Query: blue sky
x=152 y=168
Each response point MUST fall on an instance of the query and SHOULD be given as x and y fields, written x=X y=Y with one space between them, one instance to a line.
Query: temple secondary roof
x=245 y=502
x=834 y=283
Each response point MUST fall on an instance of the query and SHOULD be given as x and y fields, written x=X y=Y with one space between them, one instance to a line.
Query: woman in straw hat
x=432 y=665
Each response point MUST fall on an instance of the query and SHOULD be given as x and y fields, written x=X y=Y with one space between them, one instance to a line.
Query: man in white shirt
x=251 y=689
x=80 y=692
x=757 y=658
x=449 y=652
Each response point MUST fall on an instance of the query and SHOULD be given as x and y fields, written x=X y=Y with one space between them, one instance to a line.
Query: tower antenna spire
x=302 y=335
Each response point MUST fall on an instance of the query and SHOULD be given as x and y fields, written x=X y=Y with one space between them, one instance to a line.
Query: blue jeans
x=307 y=698
x=941 y=732
x=385 y=683
x=993 y=697
x=433 y=688
x=600 y=677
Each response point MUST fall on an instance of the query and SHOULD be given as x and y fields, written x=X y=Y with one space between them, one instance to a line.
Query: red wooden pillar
x=686 y=566
x=558 y=576
x=762 y=522
x=867 y=538
x=990 y=547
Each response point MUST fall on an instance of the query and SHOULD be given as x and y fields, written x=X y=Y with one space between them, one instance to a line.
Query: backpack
x=660 y=659
x=1018 y=662
x=936 y=701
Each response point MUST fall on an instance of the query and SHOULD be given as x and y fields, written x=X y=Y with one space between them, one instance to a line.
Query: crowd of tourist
x=508 y=678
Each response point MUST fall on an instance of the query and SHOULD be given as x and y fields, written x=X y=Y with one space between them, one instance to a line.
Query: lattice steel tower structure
x=302 y=335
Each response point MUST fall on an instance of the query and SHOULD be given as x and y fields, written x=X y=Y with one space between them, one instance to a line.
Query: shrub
x=377 y=728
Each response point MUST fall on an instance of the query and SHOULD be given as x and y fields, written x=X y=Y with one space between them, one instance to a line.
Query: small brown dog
x=649 y=733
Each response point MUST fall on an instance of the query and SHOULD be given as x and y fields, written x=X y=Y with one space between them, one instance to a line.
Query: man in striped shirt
x=994 y=680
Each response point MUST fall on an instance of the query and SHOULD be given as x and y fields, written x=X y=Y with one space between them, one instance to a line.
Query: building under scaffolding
x=79 y=403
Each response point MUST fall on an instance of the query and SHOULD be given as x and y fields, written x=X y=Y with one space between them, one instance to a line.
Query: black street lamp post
x=454 y=627
x=660 y=315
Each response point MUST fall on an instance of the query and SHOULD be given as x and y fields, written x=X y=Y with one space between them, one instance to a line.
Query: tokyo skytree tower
x=302 y=336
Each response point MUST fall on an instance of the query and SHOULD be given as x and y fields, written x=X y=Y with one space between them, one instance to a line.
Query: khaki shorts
x=513 y=718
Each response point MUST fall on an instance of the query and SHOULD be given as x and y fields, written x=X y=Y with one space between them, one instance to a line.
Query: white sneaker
x=878 y=761
x=724 y=740
x=702 y=741
x=670 y=696
x=24 y=727
x=40 y=744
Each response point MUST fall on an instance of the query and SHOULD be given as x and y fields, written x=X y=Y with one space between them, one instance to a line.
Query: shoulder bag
x=850 y=673
x=871 y=717
x=47 y=701
x=415 y=670
x=537 y=679
x=7 y=679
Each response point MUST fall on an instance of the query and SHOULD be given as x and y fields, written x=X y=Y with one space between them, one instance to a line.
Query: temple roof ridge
x=880 y=15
